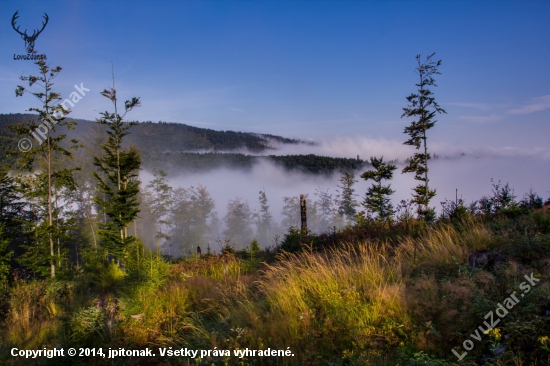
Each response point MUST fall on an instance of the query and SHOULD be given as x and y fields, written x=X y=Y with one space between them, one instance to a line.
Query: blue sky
x=306 y=69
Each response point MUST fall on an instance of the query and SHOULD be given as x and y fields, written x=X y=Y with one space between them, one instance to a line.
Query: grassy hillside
x=377 y=295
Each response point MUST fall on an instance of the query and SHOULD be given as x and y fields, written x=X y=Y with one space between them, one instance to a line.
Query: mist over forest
x=470 y=175
x=275 y=183
x=231 y=169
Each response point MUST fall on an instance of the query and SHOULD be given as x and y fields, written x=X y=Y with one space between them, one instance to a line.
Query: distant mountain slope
x=180 y=137
x=173 y=137
x=176 y=147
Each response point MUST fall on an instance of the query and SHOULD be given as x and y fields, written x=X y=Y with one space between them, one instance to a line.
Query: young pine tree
x=46 y=156
x=377 y=198
x=423 y=107
x=118 y=184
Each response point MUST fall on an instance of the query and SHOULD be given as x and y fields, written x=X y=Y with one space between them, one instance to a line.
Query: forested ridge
x=172 y=137
x=173 y=147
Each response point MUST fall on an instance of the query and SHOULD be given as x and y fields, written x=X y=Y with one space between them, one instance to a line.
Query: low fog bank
x=364 y=147
x=471 y=176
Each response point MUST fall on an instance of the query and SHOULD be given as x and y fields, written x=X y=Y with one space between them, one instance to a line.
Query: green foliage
x=159 y=198
x=177 y=137
x=109 y=276
x=12 y=208
x=192 y=217
x=455 y=211
x=87 y=326
x=171 y=146
x=347 y=196
x=254 y=247
x=423 y=107
x=377 y=198
x=5 y=257
x=238 y=220
x=117 y=179
x=317 y=164
x=228 y=248
x=7 y=141
x=423 y=359
x=54 y=178
x=264 y=221
x=292 y=241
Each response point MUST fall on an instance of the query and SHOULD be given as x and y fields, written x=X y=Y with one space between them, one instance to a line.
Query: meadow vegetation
x=395 y=299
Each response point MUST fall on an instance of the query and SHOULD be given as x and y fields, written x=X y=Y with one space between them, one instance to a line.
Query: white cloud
x=479 y=106
x=538 y=104
x=482 y=119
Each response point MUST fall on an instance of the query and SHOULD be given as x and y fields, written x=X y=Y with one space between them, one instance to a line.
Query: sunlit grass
x=357 y=303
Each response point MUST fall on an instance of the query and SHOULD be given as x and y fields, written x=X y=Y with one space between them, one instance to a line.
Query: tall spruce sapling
x=423 y=107
x=46 y=156
x=118 y=184
x=377 y=199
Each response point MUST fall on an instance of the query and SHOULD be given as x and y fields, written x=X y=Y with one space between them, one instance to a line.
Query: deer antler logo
x=29 y=40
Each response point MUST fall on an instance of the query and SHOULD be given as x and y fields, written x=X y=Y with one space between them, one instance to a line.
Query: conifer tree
x=325 y=205
x=423 y=107
x=290 y=212
x=160 y=201
x=5 y=257
x=118 y=185
x=12 y=217
x=263 y=220
x=192 y=218
x=11 y=204
x=237 y=222
x=377 y=198
x=45 y=156
x=347 y=196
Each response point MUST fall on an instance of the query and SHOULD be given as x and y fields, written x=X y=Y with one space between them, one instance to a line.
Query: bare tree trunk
x=303 y=212
x=50 y=216
x=93 y=235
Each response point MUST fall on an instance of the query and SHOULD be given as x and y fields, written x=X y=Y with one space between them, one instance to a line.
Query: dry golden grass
x=349 y=295
x=354 y=299
x=32 y=314
x=355 y=303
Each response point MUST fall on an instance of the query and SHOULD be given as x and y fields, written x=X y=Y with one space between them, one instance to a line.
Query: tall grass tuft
x=441 y=248
x=343 y=302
